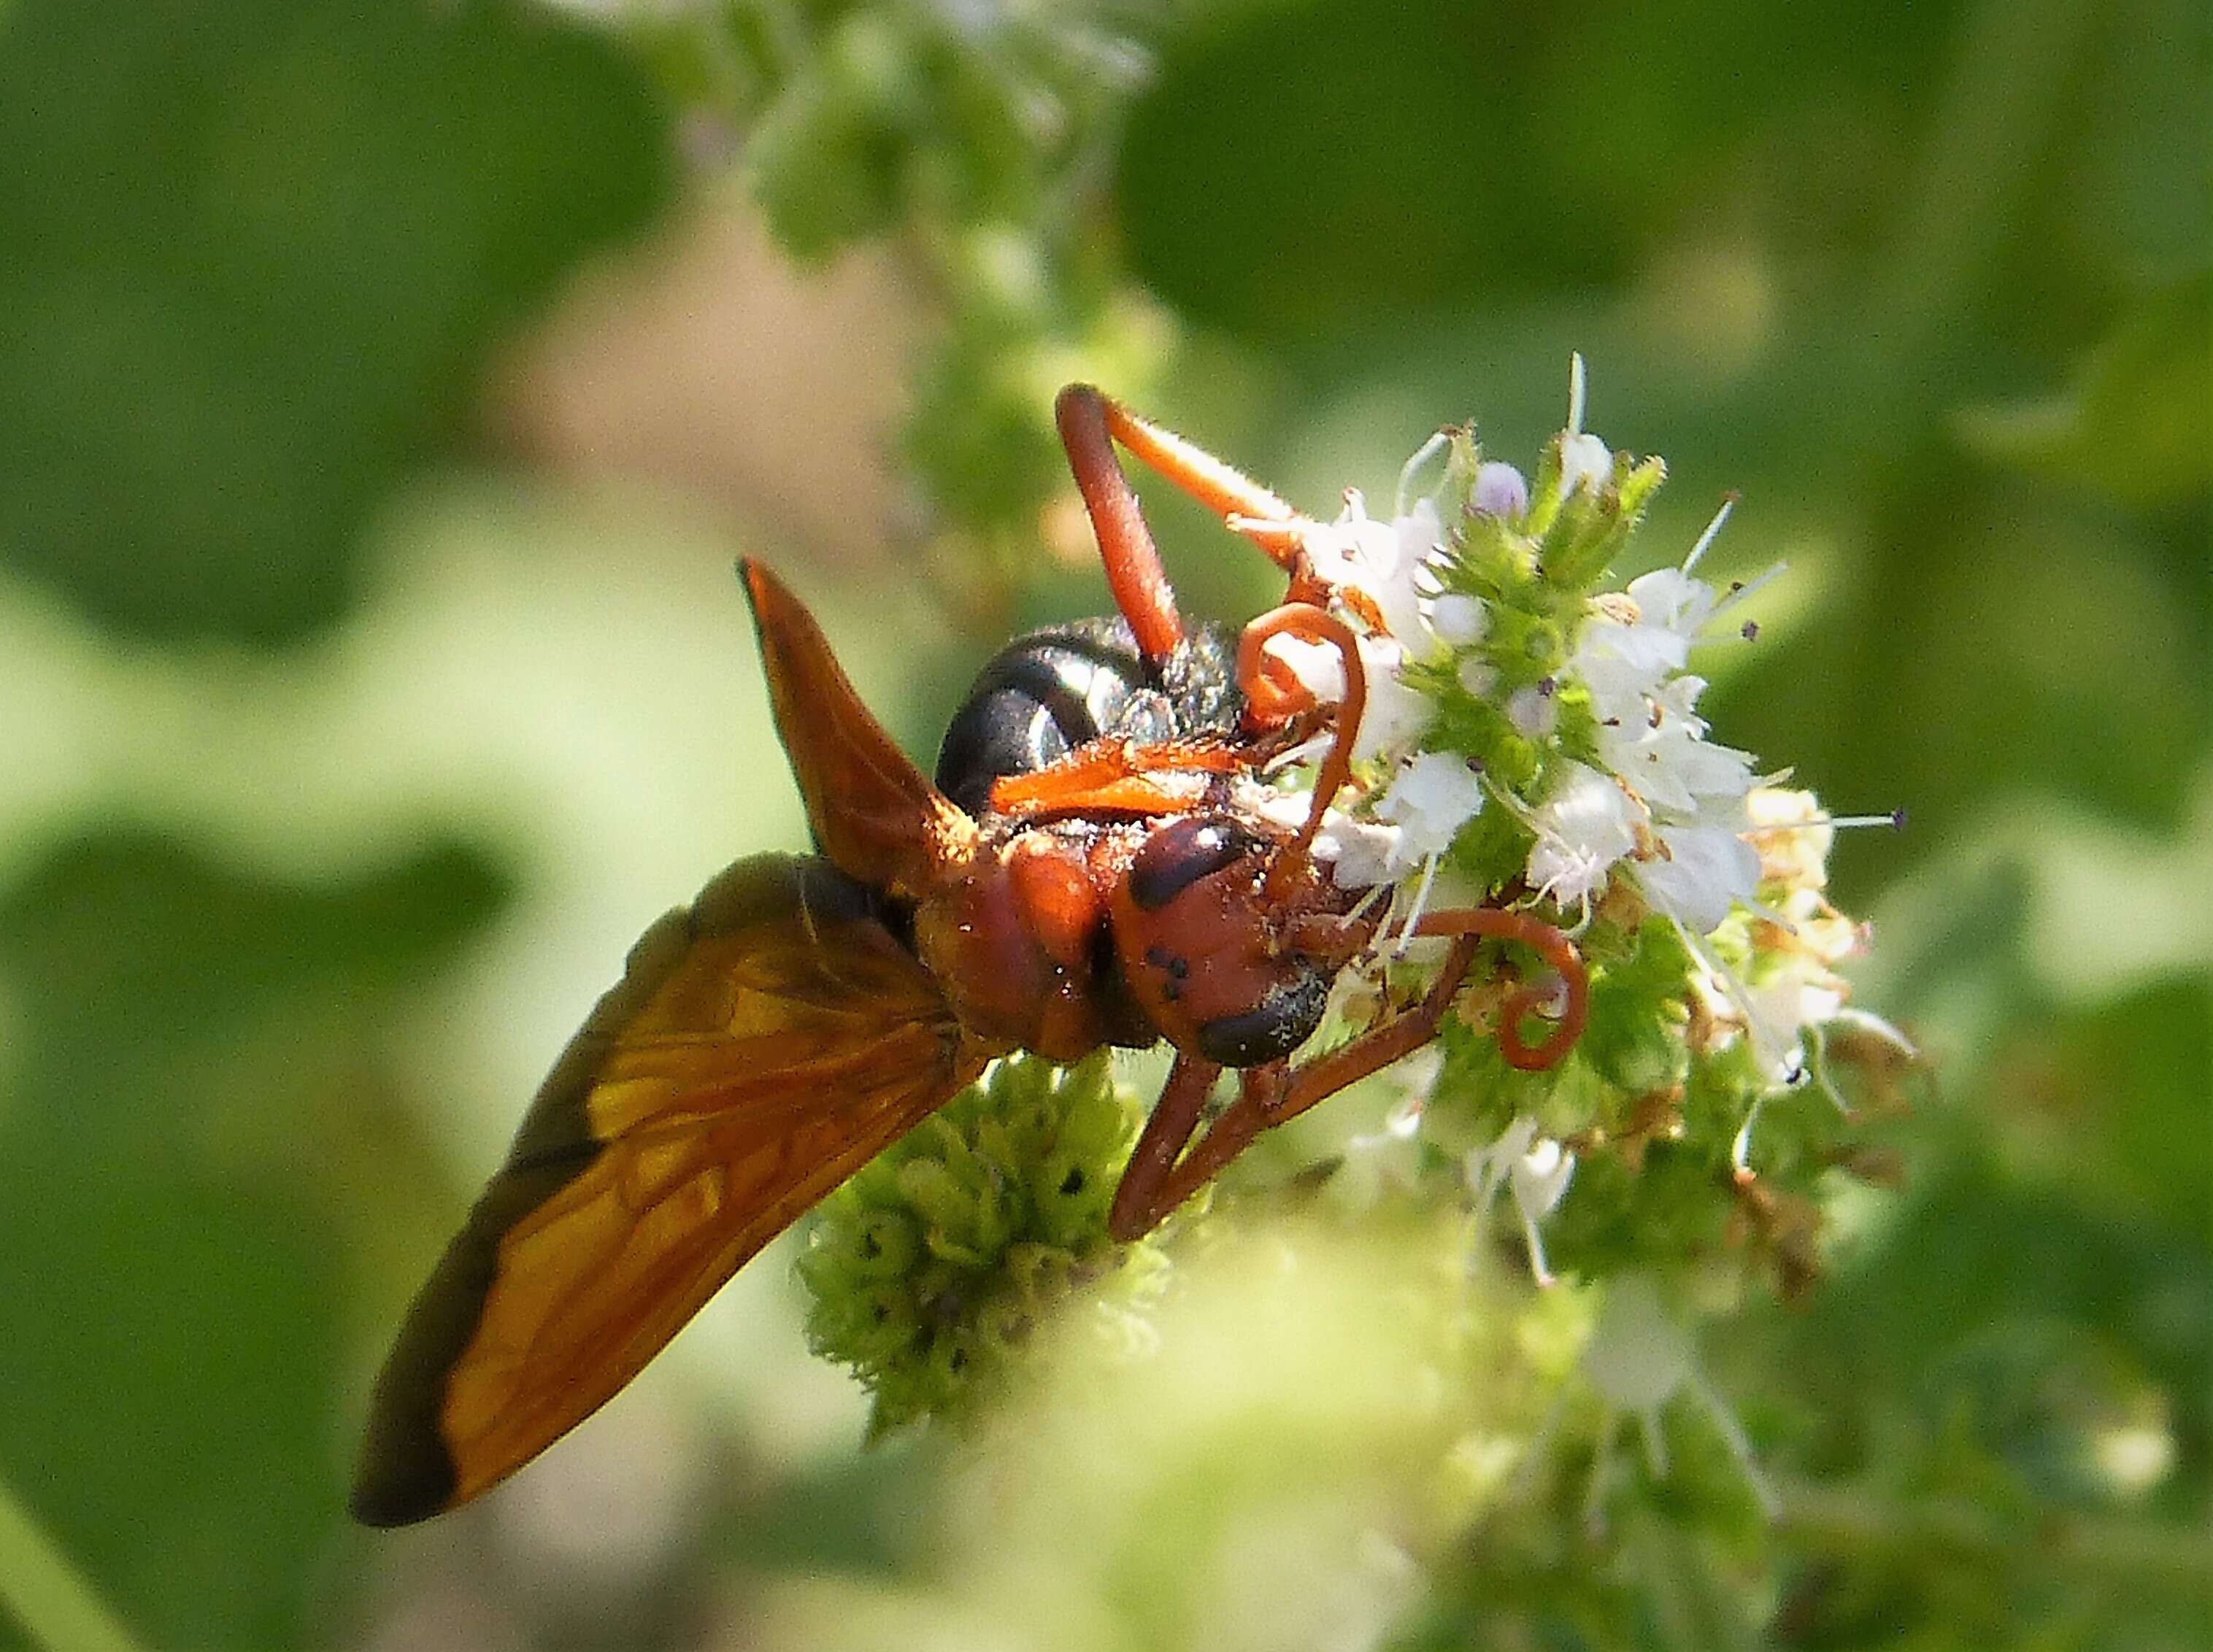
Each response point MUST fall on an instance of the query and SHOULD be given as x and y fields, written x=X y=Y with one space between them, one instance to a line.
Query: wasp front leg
x=1140 y=1203
x=1279 y=1092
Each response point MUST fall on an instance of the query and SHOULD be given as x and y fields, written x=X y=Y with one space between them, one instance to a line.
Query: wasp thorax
x=1202 y=944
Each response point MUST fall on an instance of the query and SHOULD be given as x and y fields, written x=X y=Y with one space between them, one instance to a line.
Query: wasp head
x=1225 y=967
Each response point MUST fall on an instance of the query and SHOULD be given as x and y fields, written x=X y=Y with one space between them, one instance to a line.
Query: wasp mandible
x=1086 y=869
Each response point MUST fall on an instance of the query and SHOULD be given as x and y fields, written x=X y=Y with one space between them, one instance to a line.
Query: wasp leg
x=1138 y=1205
x=1273 y=1094
x=1134 y=573
x=1226 y=491
x=1090 y=423
x=1113 y=775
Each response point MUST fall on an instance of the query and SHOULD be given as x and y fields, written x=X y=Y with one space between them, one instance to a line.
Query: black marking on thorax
x=1050 y=692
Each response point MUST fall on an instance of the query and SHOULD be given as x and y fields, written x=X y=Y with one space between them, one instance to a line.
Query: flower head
x=1534 y=739
x=1584 y=828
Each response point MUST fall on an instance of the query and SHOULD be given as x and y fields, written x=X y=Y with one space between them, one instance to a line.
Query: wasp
x=1088 y=867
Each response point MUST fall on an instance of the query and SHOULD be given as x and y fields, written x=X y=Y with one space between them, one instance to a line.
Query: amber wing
x=763 y=1045
x=872 y=812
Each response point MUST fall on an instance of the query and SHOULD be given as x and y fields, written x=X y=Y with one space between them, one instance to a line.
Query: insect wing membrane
x=872 y=812
x=762 y=1044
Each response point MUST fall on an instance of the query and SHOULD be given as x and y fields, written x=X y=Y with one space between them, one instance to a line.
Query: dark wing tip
x=400 y=1487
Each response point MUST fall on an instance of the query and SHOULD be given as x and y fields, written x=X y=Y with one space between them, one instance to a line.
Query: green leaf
x=199 y=1057
x=254 y=261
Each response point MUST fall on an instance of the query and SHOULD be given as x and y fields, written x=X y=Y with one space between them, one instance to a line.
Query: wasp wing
x=762 y=1044
x=872 y=812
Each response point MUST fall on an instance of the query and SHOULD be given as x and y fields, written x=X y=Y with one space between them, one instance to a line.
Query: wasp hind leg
x=1091 y=423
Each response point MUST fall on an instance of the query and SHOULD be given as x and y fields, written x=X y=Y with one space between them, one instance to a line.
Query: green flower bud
x=932 y=1269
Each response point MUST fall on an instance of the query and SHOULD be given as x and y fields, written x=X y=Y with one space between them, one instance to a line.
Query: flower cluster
x=933 y=1268
x=1532 y=737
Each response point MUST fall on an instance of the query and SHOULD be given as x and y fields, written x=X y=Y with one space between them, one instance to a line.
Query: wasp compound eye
x=1180 y=853
x=1283 y=1020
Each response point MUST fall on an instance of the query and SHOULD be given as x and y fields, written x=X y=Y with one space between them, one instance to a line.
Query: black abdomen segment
x=1048 y=692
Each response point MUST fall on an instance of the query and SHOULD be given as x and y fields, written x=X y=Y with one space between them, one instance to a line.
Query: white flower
x=1792 y=835
x=1499 y=490
x=1395 y=716
x=1319 y=667
x=1673 y=600
x=1585 y=463
x=1535 y=1169
x=1539 y=1179
x=1705 y=871
x=1777 y=1014
x=1459 y=620
x=1639 y=1359
x=1435 y=795
x=1381 y=560
x=1360 y=853
x=1534 y=709
x=1622 y=661
x=1586 y=826
x=1415 y=818
x=1633 y=656
x=1390 y=1157
x=1673 y=770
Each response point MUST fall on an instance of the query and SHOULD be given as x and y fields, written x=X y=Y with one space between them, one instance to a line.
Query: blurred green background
x=385 y=393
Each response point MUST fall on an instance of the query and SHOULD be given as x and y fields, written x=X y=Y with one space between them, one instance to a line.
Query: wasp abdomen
x=1048 y=692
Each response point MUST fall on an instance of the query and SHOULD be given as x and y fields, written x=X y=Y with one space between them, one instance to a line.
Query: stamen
x=1508 y=801
x=1421 y=903
x=1895 y=820
x=1741 y=1149
x=1655 y=1447
x=1540 y=1273
x=1740 y=1001
x=1360 y=907
x=1817 y=1065
x=1723 y=1418
x=1576 y=393
x=1875 y=1027
x=1304 y=751
x=1740 y=589
x=1601 y=1471
x=1423 y=454
x=1761 y=909
x=1713 y=530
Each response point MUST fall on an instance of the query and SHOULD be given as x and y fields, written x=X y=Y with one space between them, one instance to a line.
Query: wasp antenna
x=1549 y=943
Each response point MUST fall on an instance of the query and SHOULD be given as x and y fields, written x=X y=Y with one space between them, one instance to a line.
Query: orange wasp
x=1082 y=873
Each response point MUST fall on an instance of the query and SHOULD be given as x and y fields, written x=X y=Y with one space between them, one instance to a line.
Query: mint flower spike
x=1534 y=737
x=931 y=1271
